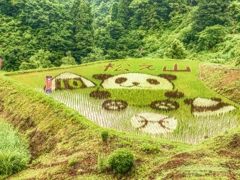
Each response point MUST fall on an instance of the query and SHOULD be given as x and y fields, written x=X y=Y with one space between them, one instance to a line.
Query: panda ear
x=169 y=77
x=102 y=76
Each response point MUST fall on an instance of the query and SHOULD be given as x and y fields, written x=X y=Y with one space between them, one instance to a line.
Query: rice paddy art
x=135 y=80
x=154 y=104
x=114 y=105
x=165 y=105
x=208 y=107
x=154 y=123
x=68 y=80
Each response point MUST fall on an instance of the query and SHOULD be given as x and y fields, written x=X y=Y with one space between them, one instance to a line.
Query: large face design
x=136 y=81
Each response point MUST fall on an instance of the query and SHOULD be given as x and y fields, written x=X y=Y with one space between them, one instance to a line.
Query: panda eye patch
x=153 y=81
x=120 y=80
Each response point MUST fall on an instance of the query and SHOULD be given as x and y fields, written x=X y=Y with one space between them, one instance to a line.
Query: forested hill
x=47 y=33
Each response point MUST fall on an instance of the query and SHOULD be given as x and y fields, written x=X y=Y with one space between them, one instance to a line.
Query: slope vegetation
x=224 y=80
x=66 y=145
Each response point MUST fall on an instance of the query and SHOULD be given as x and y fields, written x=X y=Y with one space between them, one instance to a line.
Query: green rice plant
x=144 y=97
x=189 y=129
x=14 y=155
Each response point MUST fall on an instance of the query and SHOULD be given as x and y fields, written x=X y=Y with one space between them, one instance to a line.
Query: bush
x=104 y=135
x=121 y=160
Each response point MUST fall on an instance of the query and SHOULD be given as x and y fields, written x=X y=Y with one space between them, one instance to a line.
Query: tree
x=40 y=59
x=234 y=16
x=33 y=14
x=68 y=60
x=28 y=65
x=114 y=11
x=210 y=36
x=148 y=14
x=13 y=57
x=15 y=46
x=123 y=13
x=82 y=28
x=95 y=55
x=5 y=7
x=176 y=50
x=34 y=25
x=115 y=29
x=210 y=13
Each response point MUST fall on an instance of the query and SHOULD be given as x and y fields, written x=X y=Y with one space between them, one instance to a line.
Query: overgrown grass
x=14 y=153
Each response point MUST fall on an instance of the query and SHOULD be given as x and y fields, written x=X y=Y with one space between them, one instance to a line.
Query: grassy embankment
x=59 y=135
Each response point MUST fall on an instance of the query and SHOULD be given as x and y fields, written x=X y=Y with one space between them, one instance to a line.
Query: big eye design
x=153 y=81
x=120 y=80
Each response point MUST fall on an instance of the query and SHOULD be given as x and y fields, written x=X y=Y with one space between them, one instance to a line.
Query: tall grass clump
x=14 y=154
x=101 y=163
x=104 y=135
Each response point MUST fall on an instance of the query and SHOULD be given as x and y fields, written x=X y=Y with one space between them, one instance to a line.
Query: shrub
x=104 y=135
x=121 y=160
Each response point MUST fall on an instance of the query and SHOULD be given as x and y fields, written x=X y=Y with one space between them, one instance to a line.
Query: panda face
x=154 y=123
x=137 y=80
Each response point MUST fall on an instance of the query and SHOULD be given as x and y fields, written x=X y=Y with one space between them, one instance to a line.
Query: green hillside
x=44 y=34
x=158 y=81
x=193 y=142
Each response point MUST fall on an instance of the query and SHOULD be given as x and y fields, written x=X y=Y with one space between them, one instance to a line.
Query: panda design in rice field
x=148 y=122
x=154 y=123
x=136 y=81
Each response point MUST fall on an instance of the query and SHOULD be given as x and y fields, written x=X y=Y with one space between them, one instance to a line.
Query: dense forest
x=52 y=33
